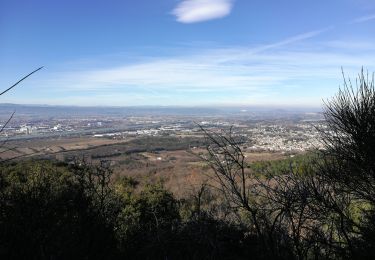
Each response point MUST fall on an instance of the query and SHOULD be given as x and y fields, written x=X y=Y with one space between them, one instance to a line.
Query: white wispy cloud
x=293 y=39
x=269 y=74
x=227 y=69
x=235 y=68
x=351 y=45
x=192 y=11
x=235 y=76
x=363 y=19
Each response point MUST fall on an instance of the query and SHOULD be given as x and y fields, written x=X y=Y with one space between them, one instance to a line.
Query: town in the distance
x=279 y=130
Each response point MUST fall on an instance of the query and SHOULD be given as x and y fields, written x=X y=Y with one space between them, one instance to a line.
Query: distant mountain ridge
x=65 y=111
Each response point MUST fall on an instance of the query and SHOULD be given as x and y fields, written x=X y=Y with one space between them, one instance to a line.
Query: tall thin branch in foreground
x=12 y=115
x=15 y=84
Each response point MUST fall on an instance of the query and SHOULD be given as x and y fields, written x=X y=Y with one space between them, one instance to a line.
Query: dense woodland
x=317 y=206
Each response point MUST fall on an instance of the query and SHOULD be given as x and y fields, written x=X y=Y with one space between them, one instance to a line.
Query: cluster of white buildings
x=293 y=138
x=40 y=129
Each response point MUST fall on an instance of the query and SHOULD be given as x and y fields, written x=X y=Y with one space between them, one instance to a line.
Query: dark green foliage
x=348 y=164
x=350 y=140
x=46 y=214
x=147 y=222
x=300 y=164
x=209 y=238
x=57 y=211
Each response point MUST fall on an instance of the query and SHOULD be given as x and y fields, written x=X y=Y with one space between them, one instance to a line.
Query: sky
x=183 y=52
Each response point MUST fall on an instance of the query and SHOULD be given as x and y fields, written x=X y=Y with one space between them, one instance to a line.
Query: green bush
x=46 y=214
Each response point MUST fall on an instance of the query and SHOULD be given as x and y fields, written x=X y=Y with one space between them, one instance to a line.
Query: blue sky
x=185 y=53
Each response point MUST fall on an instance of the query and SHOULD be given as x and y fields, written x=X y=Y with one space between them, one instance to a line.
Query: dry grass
x=180 y=170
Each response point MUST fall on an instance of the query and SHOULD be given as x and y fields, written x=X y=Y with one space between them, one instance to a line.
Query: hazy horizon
x=234 y=106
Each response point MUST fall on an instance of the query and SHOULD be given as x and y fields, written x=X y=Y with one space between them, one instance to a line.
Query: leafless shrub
x=323 y=211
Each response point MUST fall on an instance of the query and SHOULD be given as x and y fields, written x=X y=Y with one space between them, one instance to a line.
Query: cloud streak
x=275 y=73
x=293 y=39
x=231 y=75
x=363 y=19
x=235 y=68
x=193 y=11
